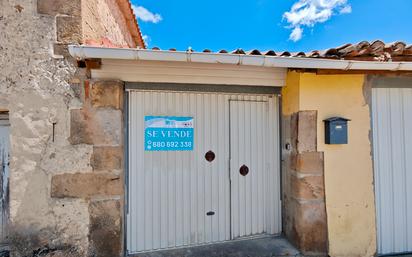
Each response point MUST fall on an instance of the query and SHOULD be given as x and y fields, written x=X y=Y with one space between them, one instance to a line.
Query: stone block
x=105 y=228
x=107 y=94
x=310 y=227
x=308 y=187
x=107 y=158
x=79 y=127
x=107 y=127
x=308 y=162
x=58 y=159
x=69 y=30
x=54 y=7
x=85 y=185
x=307 y=131
x=101 y=127
x=294 y=131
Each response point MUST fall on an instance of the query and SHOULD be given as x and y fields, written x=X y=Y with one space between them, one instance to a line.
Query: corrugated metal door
x=4 y=176
x=392 y=140
x=178 y=198
x=255 y=199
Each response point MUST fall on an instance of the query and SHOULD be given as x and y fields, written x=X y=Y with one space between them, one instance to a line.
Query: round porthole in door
x=210 y=156
x=244 y=170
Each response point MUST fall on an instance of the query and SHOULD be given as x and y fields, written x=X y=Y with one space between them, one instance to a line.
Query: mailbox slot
x=336 y=131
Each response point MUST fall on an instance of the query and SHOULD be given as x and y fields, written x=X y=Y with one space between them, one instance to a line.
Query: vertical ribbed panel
x=273 y=202
x=171 y=192
x=255 y=197
x=4 y=173
x=392 y=140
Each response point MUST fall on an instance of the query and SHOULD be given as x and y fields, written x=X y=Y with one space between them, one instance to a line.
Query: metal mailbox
x=336 y=131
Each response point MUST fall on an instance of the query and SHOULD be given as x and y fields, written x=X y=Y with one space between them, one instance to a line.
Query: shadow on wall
x=31 y=244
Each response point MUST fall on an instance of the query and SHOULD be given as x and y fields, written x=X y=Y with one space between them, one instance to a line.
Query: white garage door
x=203 y=168
x=392 y=140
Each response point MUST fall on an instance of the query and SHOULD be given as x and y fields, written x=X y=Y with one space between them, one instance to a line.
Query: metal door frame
x=126 y=170
x=199 y=88
x=5 y=122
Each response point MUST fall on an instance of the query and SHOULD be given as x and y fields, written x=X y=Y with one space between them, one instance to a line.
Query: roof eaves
x=83 y=52
x=133 y=26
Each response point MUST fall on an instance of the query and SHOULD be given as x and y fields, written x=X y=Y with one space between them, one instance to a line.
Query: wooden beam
x=93 y=64
x=366 y=72
x=354 y=72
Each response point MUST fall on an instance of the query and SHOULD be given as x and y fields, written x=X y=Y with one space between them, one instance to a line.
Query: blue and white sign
x=168 y=133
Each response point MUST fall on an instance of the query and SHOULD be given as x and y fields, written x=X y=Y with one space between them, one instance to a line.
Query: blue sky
x=268 y=24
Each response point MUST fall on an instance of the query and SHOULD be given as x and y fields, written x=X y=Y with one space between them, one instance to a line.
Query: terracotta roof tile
x=238 y=51
x=363 y=51
x=269 y=53
x=254 y=52
x=127 y=10
x=285 y=54
x=408 y=50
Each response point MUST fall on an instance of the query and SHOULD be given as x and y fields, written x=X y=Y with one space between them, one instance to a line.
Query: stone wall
x=66 y=136
x=304 y=214
x=67 y=17
x=82 y=21
x=36 y=89
x=98 y=124
x=103 y=19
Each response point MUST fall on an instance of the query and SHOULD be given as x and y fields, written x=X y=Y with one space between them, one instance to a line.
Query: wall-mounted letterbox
x=336 y=131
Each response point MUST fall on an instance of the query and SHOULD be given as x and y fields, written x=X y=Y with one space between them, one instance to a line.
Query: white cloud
x=146 y=15
x=309 y=12
x=296 y=34
x=346 y=9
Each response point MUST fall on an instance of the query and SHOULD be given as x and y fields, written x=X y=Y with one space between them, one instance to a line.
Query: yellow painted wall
x=348 y=169
x=290 y=94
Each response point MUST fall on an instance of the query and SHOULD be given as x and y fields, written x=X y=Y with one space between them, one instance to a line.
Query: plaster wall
x=348 y=168
x=66 y=133
x=291 y=94
x=35 y=89
x=104 y=19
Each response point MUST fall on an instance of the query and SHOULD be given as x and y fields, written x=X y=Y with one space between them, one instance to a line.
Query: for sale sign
x=168 y=133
